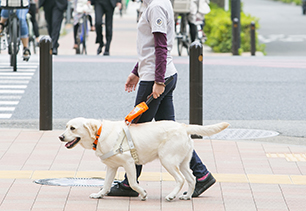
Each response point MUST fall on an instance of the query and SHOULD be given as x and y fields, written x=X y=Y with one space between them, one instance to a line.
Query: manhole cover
x=84 y=182
x=230 y=134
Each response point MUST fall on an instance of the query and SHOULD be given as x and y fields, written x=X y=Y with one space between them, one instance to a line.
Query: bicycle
x=182 y=33
x=13 y=31
x=82 y=35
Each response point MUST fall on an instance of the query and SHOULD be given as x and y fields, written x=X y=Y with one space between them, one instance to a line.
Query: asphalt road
x=282 y=26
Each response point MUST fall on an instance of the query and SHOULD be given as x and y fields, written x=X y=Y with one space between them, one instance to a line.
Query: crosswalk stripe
x=11 y=91
x=13 y=82
x=7 y=108
x=9 y=102
x=12 y=86
x=18 y=73
x=11 y=97
x=5 y=116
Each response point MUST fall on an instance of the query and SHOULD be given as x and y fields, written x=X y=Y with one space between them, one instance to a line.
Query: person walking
x=155 y=37
x=54 y=14
x=104 y=7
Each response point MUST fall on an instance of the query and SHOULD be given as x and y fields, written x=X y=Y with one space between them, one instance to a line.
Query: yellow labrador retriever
x=168 y=141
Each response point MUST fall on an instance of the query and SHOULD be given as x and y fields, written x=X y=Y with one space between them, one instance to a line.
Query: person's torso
x=157 y=17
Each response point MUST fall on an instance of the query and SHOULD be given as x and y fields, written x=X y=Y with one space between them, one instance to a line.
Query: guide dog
x=168 y=141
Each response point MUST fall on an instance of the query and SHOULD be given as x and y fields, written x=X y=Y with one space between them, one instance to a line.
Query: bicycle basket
x=14 y=4
x=181 y=6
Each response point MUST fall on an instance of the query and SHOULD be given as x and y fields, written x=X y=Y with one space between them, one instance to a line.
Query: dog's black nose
x=62 y=138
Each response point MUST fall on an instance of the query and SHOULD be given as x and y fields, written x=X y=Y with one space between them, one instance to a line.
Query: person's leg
x=99 y=12
x=32 y=11
x=57 y=18
x=3 y=19
x=108 y=28
x=48 y=17
x=24 y=32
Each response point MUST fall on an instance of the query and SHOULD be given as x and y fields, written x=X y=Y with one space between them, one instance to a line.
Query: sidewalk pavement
x=250 y=176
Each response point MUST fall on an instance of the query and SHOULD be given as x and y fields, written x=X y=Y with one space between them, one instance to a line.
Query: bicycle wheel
x=78 y=39
x=14 y=44
x=179 y=46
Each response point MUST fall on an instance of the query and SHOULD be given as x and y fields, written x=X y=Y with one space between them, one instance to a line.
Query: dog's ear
x=92 y=129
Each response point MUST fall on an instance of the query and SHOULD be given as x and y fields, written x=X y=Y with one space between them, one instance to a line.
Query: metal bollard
x=253 y=39
x=45 y=82
x=235 y=37
x=196 y=84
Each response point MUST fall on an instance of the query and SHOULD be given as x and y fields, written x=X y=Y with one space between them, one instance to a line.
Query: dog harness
x=121 y=146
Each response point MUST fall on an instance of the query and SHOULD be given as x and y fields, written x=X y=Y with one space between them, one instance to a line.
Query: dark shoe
x=203 y=185
x=106 y=53
x=54 y=51
x=26 y=54
x=120 y=190
x=99 y=50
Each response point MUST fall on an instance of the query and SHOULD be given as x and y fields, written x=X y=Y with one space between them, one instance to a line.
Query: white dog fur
x=168 y=141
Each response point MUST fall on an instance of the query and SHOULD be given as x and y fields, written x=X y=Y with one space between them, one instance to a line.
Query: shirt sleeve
x=135 y=70
x=157 y=17
x=160 y=40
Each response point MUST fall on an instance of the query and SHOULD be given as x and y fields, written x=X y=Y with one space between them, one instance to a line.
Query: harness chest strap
x=131 y=144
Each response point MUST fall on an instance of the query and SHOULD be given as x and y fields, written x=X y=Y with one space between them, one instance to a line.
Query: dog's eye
x=72 y=128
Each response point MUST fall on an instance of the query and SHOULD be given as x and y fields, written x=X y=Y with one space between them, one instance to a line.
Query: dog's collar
x=97 y=137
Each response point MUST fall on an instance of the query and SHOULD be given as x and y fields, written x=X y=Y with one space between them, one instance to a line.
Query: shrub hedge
x=218 y=29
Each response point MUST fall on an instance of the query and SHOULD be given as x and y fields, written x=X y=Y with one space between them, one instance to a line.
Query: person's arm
x=160 y=40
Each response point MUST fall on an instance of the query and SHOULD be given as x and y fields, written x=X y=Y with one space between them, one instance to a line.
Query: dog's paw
x=144 y=197
x=185 y=197
x=170 y=198
x=96 y=196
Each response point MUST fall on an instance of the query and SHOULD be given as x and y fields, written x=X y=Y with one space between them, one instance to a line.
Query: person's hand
x=119 y=5
x=158 y=89
x=131 y=82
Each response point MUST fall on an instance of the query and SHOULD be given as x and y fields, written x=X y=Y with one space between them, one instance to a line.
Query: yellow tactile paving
x=52 y=174
x=288 y=156
x=239 y=178
x=157 y=176
x=269 y=179
x=298 y=179
x=16 y=174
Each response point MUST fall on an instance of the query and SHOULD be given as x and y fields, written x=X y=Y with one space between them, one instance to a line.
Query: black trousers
x=54 y=17
x=104 y=8
x=32 y=11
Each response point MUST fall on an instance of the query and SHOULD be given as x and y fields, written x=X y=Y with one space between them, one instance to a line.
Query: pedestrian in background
x=33 y=11
x=54 y=14
x=104 y=7
x=155 y=37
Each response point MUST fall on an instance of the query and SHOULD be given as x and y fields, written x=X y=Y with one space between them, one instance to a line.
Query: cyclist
x=80 y=7
x=24 y=32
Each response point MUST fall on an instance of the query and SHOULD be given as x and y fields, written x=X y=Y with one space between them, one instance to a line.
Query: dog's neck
x=97 y=138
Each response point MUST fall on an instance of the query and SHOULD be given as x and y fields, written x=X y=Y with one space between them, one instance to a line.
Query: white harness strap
x=131 y=144
x=119 y=145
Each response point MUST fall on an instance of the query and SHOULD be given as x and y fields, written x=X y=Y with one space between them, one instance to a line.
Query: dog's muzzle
x=70 y=144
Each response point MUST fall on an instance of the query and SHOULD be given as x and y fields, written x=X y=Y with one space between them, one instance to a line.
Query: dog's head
x=80 y=131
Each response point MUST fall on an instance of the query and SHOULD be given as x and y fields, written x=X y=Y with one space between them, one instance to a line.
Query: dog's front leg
x=109 y=178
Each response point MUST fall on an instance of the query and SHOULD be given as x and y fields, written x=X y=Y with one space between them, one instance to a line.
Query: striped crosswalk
x=12 y=86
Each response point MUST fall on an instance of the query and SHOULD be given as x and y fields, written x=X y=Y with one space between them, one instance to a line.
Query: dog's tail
x=206 y=130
